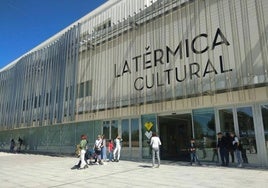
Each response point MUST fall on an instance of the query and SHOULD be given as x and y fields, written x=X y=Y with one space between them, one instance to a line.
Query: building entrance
x=175 y=131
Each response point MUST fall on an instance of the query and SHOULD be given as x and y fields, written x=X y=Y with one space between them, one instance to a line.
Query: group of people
x=13 y=145
x=226 y=145
x=98 y=153
x=229 y=144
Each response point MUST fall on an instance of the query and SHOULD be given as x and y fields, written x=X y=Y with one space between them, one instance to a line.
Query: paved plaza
x=28 y=170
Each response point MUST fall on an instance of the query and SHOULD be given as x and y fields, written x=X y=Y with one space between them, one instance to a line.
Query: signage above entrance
x=152 y=58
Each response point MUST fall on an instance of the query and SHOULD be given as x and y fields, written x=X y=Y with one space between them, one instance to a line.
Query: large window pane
x=114 y=129
x=264 y=111
x=204 y=132
x=148 y=124
x=125 y=132
x=226 y=120
x=106 y=129
x=134 y=132
x=246 y=128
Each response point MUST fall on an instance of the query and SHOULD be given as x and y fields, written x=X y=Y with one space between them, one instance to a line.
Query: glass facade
x=125 y=132
x=148 y=126
x=110 y=129
x=135 y=133
x=247 y=134
x=205 y=131
x=60 y=139
x=226 y=120
x=264 y=110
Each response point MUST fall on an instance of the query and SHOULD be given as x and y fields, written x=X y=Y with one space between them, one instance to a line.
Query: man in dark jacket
x=223 y=149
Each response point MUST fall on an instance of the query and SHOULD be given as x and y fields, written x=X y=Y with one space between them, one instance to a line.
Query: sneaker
x=239 y=166
x=75 y=167
x=83 y=167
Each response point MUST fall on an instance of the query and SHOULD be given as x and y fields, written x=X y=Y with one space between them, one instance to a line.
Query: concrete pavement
x=28 y=170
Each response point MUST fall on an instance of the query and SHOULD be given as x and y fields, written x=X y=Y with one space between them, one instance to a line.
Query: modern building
x=182 y=68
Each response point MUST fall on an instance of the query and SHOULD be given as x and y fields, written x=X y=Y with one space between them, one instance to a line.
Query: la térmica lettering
x=179 y=73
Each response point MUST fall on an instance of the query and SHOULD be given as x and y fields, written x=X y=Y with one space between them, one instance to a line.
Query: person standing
x=155 y=143
x=83 y=144
x=97 y=149
x=222 y=146
x=20 y=144
x=230 y=148
x=236 y=146
x=117 y=149
x=12 y=145
x=193 y=154
x=110 y=150
x=103 y=149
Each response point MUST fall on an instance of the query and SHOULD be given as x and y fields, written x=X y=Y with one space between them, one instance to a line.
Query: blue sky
x=26 y=23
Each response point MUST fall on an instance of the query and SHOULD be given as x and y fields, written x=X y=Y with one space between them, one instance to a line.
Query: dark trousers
x=224 y=156
x=231 y=152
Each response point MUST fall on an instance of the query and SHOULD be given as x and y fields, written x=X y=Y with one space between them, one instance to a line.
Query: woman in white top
x=117 y=149
x=155 y=143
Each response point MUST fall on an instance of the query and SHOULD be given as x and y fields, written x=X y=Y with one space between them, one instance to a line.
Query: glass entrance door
x=129 y=130
x=175 y=133
x=264 y=112
x=240 y=120
x=247 y=134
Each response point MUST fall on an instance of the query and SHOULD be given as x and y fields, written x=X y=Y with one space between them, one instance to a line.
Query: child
x=110 y=149
x=193 y=155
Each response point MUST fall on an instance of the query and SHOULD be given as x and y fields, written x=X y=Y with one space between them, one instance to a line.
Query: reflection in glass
x=145 y=119
x=125 y=132
x=246 y=129
x=226 y=120
x=264 y=111
x=106 y=129
x=204 y=131
x=134 y=132
x=114 y=129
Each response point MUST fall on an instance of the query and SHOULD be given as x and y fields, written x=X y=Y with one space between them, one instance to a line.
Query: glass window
x=106 y=129
x=204 y=131
x=71 y=92
x=35 y=101
x=114 y=129
x=81 y=90
x=66 y=94
x=125 y=132
x=134 y=132
x=226 y=120
x=264 y=112
x=148 y=124
x=246 y=129
x=88 y=88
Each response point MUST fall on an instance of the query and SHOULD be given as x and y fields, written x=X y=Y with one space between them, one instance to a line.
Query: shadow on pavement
x=145 y=166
